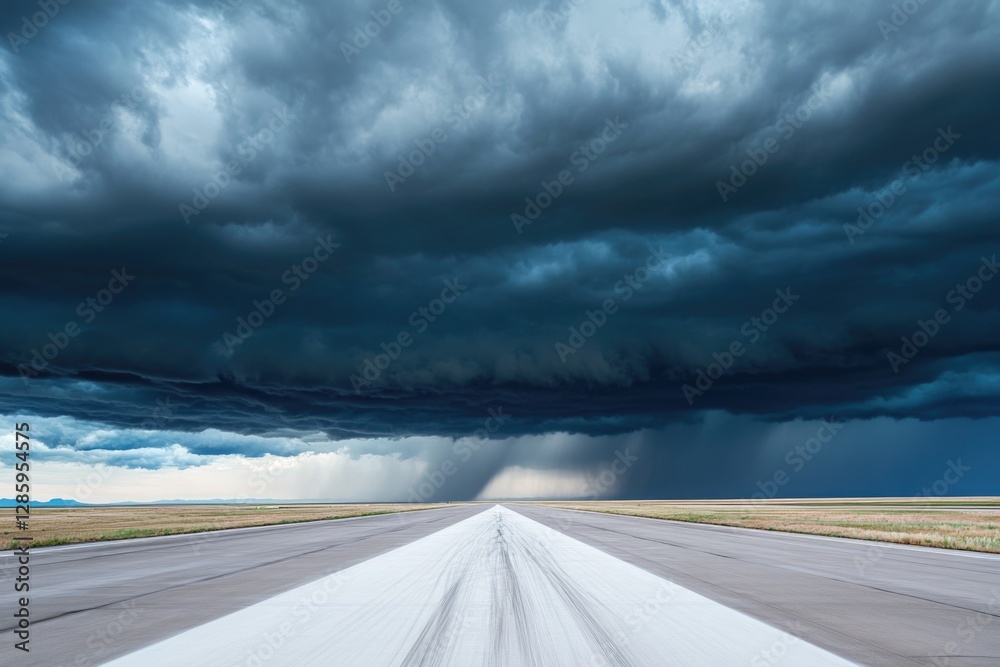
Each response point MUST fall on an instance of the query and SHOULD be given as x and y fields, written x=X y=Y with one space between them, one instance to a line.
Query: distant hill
x=55 y=502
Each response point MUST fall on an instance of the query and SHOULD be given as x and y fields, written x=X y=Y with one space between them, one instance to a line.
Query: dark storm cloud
x=694 y=91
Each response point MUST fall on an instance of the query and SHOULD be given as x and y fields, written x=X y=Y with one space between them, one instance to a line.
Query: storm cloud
x=375 y=222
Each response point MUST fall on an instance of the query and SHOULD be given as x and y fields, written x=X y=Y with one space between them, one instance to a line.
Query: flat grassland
x=972 y=524
x=52 y=526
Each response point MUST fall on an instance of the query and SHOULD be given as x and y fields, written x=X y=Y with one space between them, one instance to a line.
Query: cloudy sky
x=443 y=249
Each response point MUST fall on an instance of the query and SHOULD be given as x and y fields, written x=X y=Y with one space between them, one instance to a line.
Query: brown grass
x=51 y=526
x=893 y=521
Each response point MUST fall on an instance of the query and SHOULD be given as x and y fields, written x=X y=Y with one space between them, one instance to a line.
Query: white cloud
x=333 y=476
x=517 y=482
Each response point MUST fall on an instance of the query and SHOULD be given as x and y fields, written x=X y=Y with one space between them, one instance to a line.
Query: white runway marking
x=496 y=589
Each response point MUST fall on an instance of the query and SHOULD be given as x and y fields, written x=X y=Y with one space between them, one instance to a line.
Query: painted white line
x=496 y=589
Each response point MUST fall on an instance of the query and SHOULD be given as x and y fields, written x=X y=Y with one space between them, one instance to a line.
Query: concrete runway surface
x=871 y=602
x=512 y=585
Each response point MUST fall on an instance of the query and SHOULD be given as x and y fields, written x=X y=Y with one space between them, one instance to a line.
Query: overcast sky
x=447 y=250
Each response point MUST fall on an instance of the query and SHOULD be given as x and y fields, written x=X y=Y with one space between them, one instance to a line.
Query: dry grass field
x=51 y=526
x=954 y=523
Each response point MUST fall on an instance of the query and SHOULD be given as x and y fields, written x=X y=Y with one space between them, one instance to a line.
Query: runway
x=495 y=589
x=511 y=585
